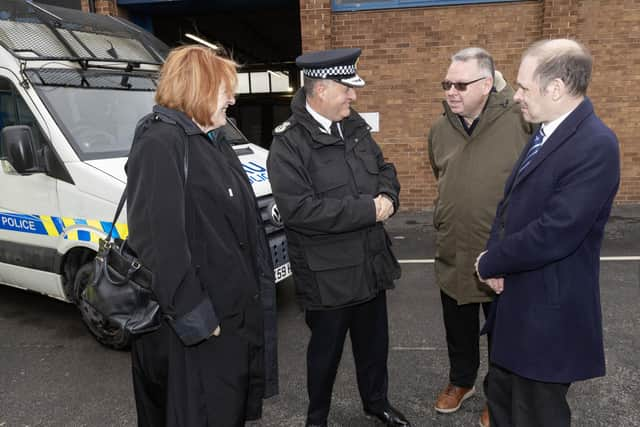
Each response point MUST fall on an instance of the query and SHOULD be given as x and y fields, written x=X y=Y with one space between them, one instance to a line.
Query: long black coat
x=206 y=247
x=324 y=188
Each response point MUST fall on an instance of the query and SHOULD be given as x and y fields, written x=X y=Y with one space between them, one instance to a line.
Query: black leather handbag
x=120 y=289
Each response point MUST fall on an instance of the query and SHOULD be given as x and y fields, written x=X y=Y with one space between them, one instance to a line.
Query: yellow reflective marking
x=49 y=226
x=123 y=230
x=71 y=235
x=95 y=224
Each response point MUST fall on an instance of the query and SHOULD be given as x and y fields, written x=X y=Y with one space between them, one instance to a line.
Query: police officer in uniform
x=334 y=190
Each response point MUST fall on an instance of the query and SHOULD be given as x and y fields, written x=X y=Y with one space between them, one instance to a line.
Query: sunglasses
x=460 y=86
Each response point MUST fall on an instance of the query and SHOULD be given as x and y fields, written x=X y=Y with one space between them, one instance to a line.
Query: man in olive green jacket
x=472 y=150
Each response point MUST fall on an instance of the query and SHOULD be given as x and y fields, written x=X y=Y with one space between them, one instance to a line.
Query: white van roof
x=31 y=31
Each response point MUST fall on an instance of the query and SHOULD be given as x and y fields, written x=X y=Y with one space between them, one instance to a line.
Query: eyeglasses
x=460 y=86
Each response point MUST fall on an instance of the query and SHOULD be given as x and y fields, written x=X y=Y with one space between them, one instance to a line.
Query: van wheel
x=106 y=334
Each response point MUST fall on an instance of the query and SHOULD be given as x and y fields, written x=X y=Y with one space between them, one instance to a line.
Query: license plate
x=282 y=272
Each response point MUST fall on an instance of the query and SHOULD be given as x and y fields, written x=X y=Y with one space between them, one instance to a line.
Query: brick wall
x=315 y=20
x=611 y=30
x=105 y=7
x=406 y=53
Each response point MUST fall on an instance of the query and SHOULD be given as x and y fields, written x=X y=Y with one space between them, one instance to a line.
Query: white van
x=72 y=87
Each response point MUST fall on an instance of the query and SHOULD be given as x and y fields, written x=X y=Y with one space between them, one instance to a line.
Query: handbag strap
x=123 y=198
x=118 y=210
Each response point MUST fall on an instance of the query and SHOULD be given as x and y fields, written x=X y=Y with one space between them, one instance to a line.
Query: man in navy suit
x=542 y=256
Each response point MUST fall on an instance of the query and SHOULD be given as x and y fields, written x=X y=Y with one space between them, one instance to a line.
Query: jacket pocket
x=370 y=163
x=338 y=270
x=385 y=265
x=387 y=269
x=330 y=182
x=238 y=232
x=198 y=250
x=367 y=174
x=436 y=217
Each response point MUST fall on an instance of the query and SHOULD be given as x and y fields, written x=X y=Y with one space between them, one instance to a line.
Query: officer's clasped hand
x=384 y=208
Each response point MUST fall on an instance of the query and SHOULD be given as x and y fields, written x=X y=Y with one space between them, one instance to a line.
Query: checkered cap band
x=323 y=73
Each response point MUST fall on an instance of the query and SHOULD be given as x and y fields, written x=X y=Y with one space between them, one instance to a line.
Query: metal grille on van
x=96 y=79
x=36 y=38
x=42 y=42
x=33 y=31
x=274 y=229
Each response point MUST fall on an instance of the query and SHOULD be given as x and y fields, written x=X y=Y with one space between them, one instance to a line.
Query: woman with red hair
x=193 y=220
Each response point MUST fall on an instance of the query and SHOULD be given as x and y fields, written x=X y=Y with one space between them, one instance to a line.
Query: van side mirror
x=18 y=148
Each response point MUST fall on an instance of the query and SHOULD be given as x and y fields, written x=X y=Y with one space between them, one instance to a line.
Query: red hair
x=191 y=78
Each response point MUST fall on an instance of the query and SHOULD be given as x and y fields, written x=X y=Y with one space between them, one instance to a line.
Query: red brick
x=406 y=53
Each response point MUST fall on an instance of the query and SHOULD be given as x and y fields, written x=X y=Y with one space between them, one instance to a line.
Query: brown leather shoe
x=452 y=397
x=484 y=418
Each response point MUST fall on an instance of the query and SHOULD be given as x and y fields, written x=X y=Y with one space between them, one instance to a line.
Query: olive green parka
x=471 y=171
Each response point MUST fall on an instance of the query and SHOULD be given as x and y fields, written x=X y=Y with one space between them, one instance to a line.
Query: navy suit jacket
x=545 y=241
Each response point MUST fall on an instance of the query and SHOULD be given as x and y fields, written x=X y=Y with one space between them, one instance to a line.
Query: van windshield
x=99 y=122
x=98 y=111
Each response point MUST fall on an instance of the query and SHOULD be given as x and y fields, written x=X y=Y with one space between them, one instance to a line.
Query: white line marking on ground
x=416 y=348
x=604 y=258
x=415 y=261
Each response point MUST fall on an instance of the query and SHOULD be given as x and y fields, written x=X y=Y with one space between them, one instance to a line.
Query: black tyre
x=106 y=334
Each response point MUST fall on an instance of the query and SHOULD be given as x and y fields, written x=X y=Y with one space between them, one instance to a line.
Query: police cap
x=334 y=64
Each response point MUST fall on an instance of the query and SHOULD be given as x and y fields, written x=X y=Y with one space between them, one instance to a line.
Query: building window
x=354 y=5
x=264 y=82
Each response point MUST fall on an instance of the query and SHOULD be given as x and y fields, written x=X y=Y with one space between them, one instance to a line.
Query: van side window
x=14 y=111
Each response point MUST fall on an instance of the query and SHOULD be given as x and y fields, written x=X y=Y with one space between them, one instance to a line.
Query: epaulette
x=163 y=118
x=284 y=126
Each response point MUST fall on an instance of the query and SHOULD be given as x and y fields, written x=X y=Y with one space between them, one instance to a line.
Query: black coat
x=205 y=244
x=324 y=188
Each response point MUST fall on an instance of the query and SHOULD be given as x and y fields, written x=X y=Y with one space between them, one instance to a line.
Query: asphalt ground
x=52 y=373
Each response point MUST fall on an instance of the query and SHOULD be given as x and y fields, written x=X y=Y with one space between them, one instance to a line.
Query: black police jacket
x=324 y=188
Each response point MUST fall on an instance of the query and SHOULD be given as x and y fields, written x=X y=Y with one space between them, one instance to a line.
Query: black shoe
x=390 y=417
x=316 y=425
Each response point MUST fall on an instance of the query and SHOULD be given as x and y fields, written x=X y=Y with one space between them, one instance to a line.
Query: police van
x=72 y=87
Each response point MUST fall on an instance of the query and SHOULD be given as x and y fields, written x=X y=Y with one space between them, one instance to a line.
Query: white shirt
x=550 y=127
x=324 y=122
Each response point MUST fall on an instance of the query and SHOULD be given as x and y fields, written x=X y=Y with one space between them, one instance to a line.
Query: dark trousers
x=462 y=326
x=515 y=401
x=368 y=330
x=149 y=362
x=160 y=391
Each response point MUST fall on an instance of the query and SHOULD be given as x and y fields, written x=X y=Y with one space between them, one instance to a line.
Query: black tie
x=334 y=130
